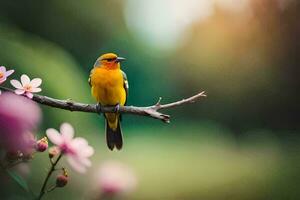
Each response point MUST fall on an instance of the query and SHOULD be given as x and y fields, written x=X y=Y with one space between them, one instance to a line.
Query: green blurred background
x=241 y=142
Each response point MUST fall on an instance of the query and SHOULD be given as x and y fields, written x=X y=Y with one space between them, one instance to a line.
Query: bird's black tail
x=114 y=137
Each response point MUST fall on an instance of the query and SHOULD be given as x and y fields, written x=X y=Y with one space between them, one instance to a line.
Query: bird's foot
x=99 y=108
x=117 y=108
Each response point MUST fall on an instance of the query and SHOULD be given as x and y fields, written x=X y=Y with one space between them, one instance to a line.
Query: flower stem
x=51 y=170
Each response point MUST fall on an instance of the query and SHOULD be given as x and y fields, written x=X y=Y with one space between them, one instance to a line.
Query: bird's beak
x=120 y=59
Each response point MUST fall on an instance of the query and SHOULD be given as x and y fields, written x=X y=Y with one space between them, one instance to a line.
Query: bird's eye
x=110 y=59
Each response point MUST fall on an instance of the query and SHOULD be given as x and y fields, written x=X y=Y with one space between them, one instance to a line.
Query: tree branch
x=150 y=111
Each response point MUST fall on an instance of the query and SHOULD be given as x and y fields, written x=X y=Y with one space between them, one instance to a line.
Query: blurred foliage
x=242 y=142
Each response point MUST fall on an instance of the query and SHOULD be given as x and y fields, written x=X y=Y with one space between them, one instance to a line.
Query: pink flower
x=115 y=178
x=77 y=149
x=19 y=116
x=26 y=86
x=4 y=74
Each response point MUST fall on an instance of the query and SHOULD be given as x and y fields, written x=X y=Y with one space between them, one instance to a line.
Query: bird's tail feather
x=114 y=137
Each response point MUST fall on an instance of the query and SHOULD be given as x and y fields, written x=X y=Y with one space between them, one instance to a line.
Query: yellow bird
x=109 y=86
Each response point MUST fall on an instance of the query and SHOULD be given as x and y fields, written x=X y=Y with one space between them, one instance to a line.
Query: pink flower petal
x=81 y=146
x=76 y=164
x=2 y=69
x=36 y=82
x=25 y=79
x=67 y=131
x=87 y=151
x=86 y=162
x=29 y=95
x=0 y=92
x=79 y=142
x=16 y=84
x=8 y=73
x=19 y=91
x=3 y=79
x=54 y=136
x=84 y=151
x=36 y=90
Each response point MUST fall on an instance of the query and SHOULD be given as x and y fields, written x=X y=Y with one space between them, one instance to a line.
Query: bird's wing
x=89 y=80
x=125 y=85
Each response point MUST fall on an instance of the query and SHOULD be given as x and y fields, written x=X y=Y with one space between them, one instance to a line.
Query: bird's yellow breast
x=107 y=86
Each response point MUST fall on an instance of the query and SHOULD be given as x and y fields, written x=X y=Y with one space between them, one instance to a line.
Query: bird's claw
x=117 y=108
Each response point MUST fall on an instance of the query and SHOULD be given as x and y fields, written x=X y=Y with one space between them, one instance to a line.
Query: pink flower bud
x=42 y=144
x=61 y=180
x=53 y=151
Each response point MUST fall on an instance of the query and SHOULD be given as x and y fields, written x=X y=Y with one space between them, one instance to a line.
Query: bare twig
x=150 y=111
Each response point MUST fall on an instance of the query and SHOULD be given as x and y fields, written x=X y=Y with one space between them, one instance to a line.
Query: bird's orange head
x=109 y=60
